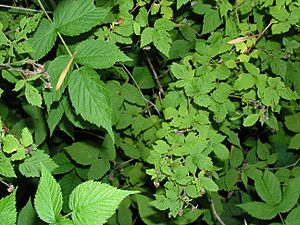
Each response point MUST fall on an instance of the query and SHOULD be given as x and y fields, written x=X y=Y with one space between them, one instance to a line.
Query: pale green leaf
x=84 y=153
x=99 y=54
x=73 y=17
x=268 y=188
x=292 y=122
x=10 y=143
x=8 y=211
x=6 y=168
x=208 y=184
x=221 y=151
x=147 y=36
x=43 y=39
x=181 y=3
x=259 y=210
x=244 y=82
x=90 y=98
x=251 y=120
x=32 y=95
x=26 y=137
x=31 y=167
x=48 y=198
x=162 y=41
x=93 y=202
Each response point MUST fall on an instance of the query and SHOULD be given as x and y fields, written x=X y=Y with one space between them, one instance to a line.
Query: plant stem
x=23 y=9
x=59 y=35
x=160 y=88
x=215 y=213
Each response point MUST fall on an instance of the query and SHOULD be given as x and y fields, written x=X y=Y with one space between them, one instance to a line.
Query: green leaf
x=73 y=17
x=290 y=196
x=221 y=151
x=132 y=94
x=251 y=120
x=32 y=95
x=90 y=98
x=31 y=166
x=98 y=169
x=147 y=36
x=268 y=188
x=292 y=122
x=211 y=21
x=43 y=39
x=27 y=215
x=26 y=137
x=84 y=153
x=294 y=217
x=236 y=157
x=99 y=54
x=231 y=178
x=54 y=70
x=295 y=142
x=262 y=150
x=64 y=163
x=222 y=92
x=244 y=82
x=10 y=143
x=281 y=27
x=208 y=184
x=143 y=77
x=48 y=198
x=54 y=116
x=259 y=210
x=6 y=168
x=8 y=211
x=93 y=202
x=181 y=3
x=162 y=41
x=278 y=67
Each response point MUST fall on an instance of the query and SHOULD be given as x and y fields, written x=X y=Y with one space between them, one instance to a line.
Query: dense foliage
x=187 y=110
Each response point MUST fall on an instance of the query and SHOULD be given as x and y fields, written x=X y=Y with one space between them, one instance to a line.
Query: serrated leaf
x=83 y=153
x=54 y=117
x=162 y=41
x=244 y=82
x=262 y=150
x=64 y=163
x=259 y=210
x=290 y=196
x=294 y=217
x=208 y=184
x=54 y=70
x=98 y=169
x=236 y=157
x=181 y=3
x=268 y=188
x=90 y=98
x=26 y=137
x=93 y=202
x=147 y=36
x=32 y=95
x=231 y=178
x=8 y=211
x=221 y=151
x=48 y=198
x=27 y=215
x=10 y=143
x=211 y=21
x=43 y=39
x=99 y=54
x=73 y=17
x=295 y=142
x=6 y=168
x=251 y=120
x=31 y=167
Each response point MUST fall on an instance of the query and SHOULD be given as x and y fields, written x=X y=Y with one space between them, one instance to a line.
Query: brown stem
x=160 y=88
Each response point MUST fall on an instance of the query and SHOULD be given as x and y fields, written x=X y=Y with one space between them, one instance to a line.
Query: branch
x=23 y=9
x=160 y=88
x=215 y=213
